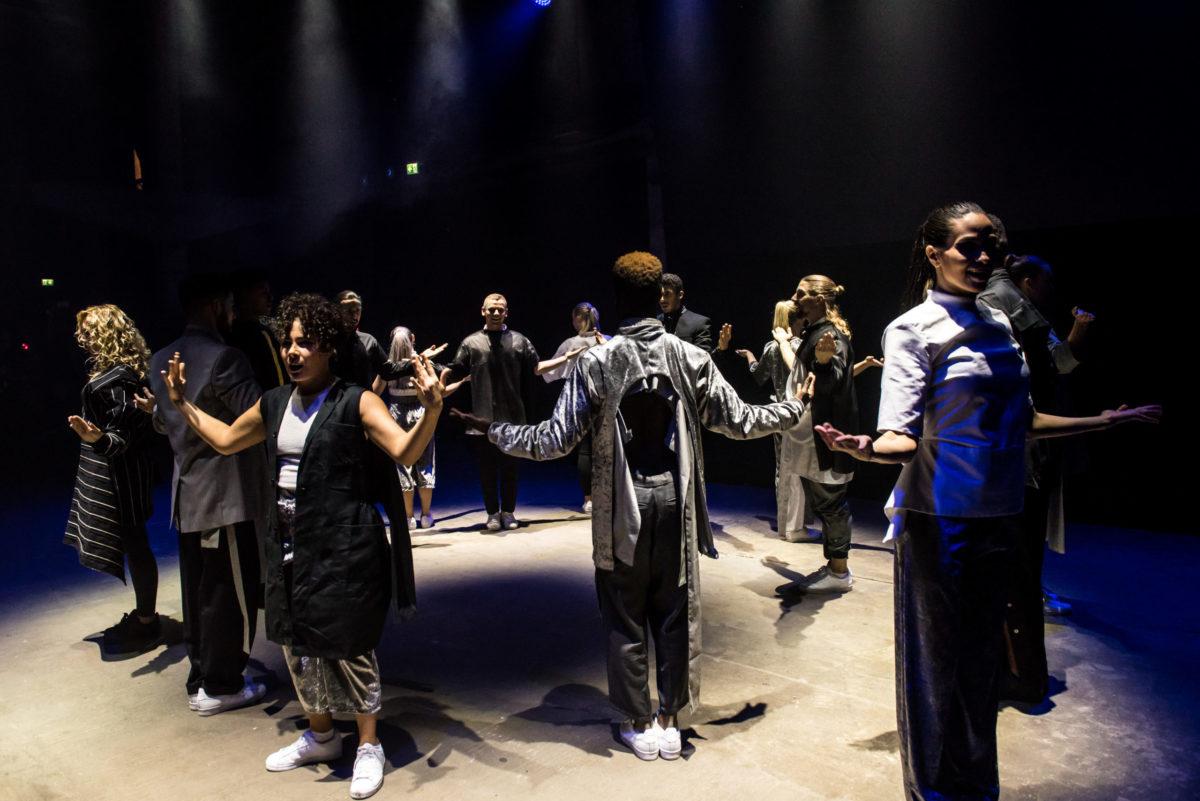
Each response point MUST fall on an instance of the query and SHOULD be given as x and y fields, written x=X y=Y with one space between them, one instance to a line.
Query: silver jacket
x=590 y=401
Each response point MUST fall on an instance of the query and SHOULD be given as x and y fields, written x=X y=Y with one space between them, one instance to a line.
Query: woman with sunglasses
x=955 y=411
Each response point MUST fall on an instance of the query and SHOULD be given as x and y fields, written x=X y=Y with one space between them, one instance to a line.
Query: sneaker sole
x=358 y=796
x=332 y=758
x=254 y=699
x=669 y=754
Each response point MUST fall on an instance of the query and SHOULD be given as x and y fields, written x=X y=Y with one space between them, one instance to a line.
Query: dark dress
x=112 y=498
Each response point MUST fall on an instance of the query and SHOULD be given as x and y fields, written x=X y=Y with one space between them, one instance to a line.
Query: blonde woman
x=111 y=503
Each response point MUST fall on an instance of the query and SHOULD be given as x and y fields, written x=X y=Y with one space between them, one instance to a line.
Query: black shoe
x=130 y=636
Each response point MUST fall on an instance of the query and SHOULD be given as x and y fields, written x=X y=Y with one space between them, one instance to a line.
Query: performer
x=215 y=501
x=678 y=319
x=586 y=320
x=955 y=410
x=328 y=564
x=792 y=513
x=1021 y=289
x=404 y=404
x=112 y=499
x=501 y=364
x=363 y=360
x=826 y=354
x=251 y=332
x=645 y=396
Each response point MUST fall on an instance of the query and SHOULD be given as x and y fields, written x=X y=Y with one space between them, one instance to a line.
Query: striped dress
x=113 y=481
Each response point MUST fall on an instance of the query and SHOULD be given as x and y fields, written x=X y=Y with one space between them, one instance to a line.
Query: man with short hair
x=677 y=319
x=502 y=365
x=215 y=502
x=365 y=363
x=251 y=332
x=644 y=396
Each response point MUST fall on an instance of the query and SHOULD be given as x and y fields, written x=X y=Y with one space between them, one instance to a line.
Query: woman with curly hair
x=329 y=570
x=112 y=500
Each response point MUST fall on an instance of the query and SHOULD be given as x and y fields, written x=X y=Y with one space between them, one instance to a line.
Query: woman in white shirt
x=955 y=411
x=401 y=398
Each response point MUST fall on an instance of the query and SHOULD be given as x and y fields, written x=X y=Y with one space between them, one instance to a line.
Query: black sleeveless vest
x=342 y=572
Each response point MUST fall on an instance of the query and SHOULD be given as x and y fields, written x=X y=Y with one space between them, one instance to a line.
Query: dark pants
x=583 y=461
x=496 y=467
x=647 y=597
x=1024 y=626
x=143 y=570
x=828 y=501
x=220 y=577
x=950 y=579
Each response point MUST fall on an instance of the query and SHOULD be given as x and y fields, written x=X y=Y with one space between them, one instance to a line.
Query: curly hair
x=824 y=286
x=639 y=269
x=318 y=316
x=110 y=338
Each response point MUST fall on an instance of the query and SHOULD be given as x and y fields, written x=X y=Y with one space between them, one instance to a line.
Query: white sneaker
x=508 y=521
x=194 y=699
x=304 y=751
x=587 y=507
x=810 y=535
x=368 y=771
x=824 y=580
x=414 y=523
x=670 y=744
x=427 y=520
x=643 y=742
x=215 y=704
x=493 y=522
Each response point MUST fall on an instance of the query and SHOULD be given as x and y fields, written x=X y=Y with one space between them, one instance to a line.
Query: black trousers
x=221 y=596
x=950 y=580
x=646 y=597
x=143 y=569
x=583 y=462
x=495 y=468
x=1024 y=625
x=828 y=502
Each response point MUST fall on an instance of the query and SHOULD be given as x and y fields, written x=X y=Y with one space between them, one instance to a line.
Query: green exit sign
x=47 y=282
x=413 y=167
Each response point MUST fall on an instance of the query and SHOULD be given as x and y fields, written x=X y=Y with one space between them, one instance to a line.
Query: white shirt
x=955 y=379
x=293 y=432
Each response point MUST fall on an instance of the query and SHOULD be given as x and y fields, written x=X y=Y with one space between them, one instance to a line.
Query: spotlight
x=542 y=3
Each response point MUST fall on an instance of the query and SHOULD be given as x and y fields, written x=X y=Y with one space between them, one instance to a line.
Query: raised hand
x=750 y=358
x=87 y=432
x=871 y=361
x=599 y=337
x=1140 y=414
x=433 y=350
x=471 y=421
x=806 y=390
x=724 y=337
x=450 y=389
x=860 y=446
x=146 y=403
x=826 y=348
x=571 y=354
x=175 y=377
x=1082 y=317
x=426 y=383
x=782 y=336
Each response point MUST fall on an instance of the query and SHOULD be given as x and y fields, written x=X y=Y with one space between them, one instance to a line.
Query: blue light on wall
x=542 y=3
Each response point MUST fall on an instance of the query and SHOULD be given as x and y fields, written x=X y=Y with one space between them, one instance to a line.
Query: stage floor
x=497 y=688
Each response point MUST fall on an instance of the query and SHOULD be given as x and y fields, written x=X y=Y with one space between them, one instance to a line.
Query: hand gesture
x=826 y=348
x=471 y=421
x=725 y=335
x=426 y=383
x=805 y=391
x=175 y=377
x=860 y=446
x=1140 y=414
x=86 y=431
x=750 y=358
x=571 y=354
x=450 y=389
x=782 y=336
x=1082 y=317
x=433 y=350
x=145 y=403
x=599 y=337
x=871 y=361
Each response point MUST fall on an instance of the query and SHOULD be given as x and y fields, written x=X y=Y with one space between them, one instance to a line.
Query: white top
x=954 y=378
x=569 y=344
x=293 y=432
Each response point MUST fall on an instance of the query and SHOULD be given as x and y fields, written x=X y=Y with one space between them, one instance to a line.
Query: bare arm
x=225 y=438
x=867 y=363
x=783 y=338
x=1044 y=426
x=891 y=447
x=404 y=447
x=558 y=361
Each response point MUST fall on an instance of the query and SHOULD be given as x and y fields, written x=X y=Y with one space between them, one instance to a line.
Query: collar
x=946 y=299
x=638 y=325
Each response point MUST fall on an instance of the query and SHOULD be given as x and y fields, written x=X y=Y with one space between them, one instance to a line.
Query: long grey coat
x=590 y=401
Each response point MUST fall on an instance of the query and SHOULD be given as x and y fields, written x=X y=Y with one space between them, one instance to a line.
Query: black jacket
x=690 y=327
x=834 y=399
x=342 y=573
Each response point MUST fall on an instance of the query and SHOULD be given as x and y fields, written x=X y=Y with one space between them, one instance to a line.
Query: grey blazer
x=209 y=490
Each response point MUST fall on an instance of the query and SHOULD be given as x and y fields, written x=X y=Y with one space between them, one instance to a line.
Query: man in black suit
x=678 y=320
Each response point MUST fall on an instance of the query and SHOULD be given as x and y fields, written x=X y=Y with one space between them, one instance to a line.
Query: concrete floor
x=497 y=689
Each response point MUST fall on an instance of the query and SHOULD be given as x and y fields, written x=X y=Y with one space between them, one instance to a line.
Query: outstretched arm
x=1044 y=426
x=891 y=447
x=721 y=409
x=867 y=363
x=554 y=363
x=404 y=447
x=225 y=438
